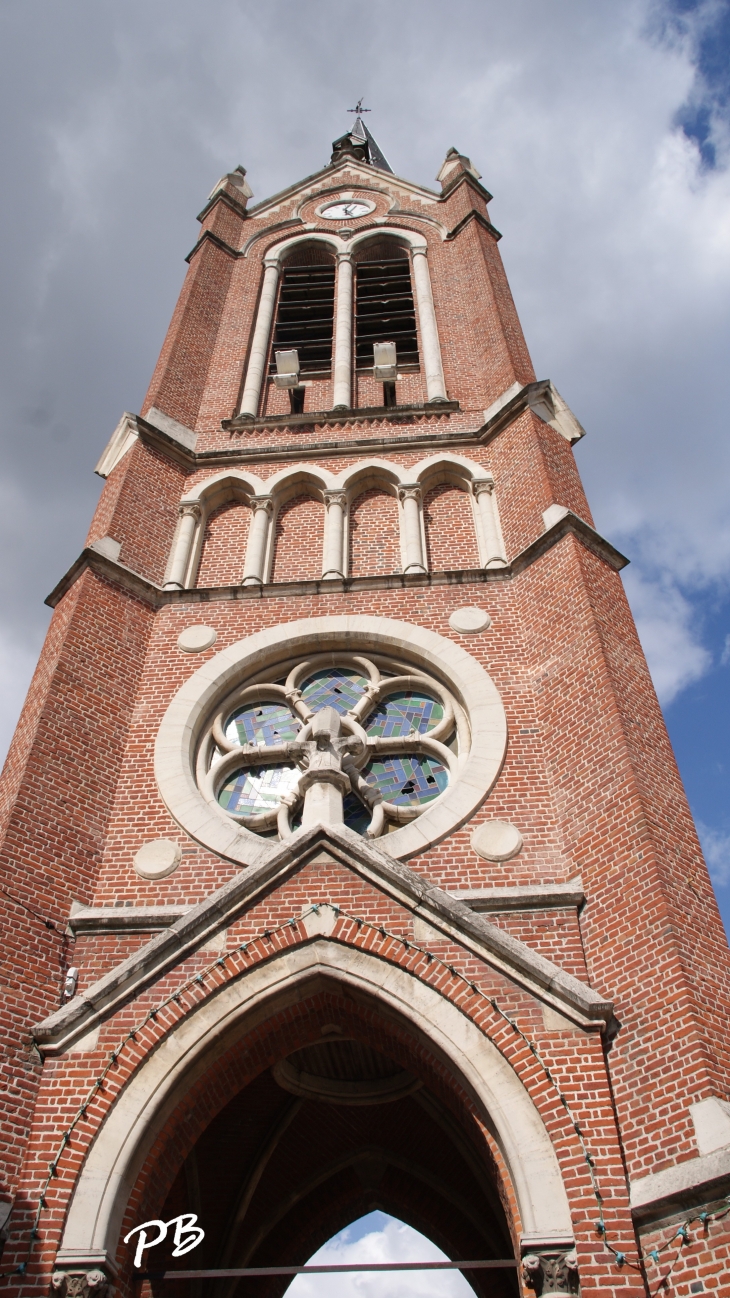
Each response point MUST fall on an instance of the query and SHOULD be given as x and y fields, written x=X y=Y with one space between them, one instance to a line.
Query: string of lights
x=621 y=1256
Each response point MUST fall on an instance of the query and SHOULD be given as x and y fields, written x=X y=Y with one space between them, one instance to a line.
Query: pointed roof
x=359 y=143
x=376 y=156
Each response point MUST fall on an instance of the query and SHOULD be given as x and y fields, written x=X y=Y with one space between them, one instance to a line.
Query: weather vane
x=359 y=108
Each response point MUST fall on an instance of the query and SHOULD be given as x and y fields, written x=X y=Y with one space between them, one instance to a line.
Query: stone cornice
x=209 y=237
x=200 y=925
x=221 y=196
x=323 y=418
x=152 y=594
x=477 y=216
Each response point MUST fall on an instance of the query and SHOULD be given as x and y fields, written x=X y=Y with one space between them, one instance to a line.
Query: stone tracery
x=359 y=741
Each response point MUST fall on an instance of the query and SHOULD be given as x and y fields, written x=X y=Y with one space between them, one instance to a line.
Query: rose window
x=366 y=741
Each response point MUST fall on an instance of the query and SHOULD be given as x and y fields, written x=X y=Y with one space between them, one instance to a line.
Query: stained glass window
x=257 y=789
x=407 y=780
x=262 y=723
x=402 y=713
x=333 y=687
x=357 y=816
x=404 y=779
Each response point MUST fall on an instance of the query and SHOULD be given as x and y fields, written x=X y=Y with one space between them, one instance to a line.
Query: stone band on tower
x=368 y=874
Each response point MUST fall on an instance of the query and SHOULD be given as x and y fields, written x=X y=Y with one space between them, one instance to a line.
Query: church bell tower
x=347 y=864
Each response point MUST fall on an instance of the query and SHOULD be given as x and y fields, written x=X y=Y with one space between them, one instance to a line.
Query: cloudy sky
x=601 y=129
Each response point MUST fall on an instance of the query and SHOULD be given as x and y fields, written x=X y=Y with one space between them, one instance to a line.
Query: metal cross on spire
x=359 y=108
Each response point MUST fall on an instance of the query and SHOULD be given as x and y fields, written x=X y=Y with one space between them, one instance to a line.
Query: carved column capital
x=81 y=1284
x=551 y=1272
x=480 y=485
x=410 y=491
x=335 y=496
x=419 y=252
x=262 y=502
x=189 y=509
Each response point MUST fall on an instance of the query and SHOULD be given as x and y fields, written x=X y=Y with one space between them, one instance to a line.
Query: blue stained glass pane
x=409 y=780
x=262 y=723
x=357 y=817
x=401 y=713
x=257 y=789
x=333 y=687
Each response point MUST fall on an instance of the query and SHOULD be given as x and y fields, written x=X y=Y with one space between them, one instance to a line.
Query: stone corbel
x=551 y=1271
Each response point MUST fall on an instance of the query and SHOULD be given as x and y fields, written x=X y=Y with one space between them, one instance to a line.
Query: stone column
x=342 y=364
x=324 y=783
x=410 y=497
x=260 y=344
x=263 y=507
x=334 y=537
x=494 y=556
x=435 y=385
x=189 y=515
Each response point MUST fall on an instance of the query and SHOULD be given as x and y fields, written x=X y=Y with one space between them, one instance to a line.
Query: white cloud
x=716 y=847
x=669 y=634
x=395 y=1242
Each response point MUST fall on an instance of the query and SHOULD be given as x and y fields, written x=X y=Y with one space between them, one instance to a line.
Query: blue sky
x=603 y=132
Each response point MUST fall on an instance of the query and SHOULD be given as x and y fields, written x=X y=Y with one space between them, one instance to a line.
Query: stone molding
x=542 y=397
x=675 y=1189
x=549 y=896
x=195 y=929
x=123 y=919
x=81 y=1284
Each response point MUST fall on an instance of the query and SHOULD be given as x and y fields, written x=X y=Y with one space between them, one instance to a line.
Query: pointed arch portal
x=316 y=1087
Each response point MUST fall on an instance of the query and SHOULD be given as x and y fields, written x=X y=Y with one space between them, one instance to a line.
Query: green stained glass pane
x=403 y=713
x=409 y=780
x=255 y=789
x=333 y=687
x=262 y=723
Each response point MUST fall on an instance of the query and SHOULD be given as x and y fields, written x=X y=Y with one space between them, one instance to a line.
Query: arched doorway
x=223 y=1119
x=335 y=1129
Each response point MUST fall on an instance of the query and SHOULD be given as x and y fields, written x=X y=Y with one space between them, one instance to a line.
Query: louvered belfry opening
x=384 y=309
x=305 y=314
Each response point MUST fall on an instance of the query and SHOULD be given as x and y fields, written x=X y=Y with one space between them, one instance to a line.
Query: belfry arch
x=466 y=1105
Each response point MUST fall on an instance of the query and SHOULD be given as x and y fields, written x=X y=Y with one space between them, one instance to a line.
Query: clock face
x=345 y=211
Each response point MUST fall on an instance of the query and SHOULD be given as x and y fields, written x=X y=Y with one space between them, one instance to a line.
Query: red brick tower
x=347 y=862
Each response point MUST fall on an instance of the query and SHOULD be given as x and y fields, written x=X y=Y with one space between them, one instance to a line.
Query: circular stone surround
x=469 y=620
x=496 y=840
x=157 y=859
x=191 y=712
x=194 y=639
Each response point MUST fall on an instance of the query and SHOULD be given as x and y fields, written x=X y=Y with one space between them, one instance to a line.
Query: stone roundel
x=194 y=639
x=469 y=620
x=157 y=859
x=190 y=713
x=496 y=840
